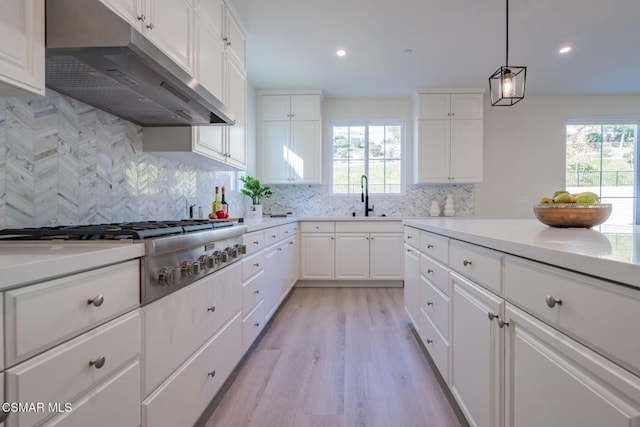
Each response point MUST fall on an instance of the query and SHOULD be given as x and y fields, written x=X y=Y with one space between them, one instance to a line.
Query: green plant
x=254 y=190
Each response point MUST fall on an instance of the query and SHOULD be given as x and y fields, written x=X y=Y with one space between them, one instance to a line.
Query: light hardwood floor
x=337 y=357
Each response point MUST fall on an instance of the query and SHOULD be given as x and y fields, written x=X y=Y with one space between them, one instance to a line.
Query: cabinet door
x=305 y=107
x=129 y=10
x=212 y=12
x=466 y=151
x=477 y=346
x=554 y=381
x=275 y=107
x=274 y=152
x=22 y=47
x=235 y=40
x=434 y=106
x=210 y=60
x=271 y=281
x=236 y=102
x=170 y=26
x=434 y=154
x=305 y=152
x=209 y=140
x=352 y=256
x=385 y=256
x=292 y=262
x=466 y=106
x=412 y=284
x=317 y=256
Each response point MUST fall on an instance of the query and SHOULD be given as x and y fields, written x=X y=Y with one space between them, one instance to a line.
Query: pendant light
x=507 y=84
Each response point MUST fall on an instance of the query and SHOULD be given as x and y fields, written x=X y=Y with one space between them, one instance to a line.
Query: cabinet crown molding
x=426 y=90
x=290 y=92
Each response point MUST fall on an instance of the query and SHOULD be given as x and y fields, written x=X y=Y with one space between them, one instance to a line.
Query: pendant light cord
x=506 y=63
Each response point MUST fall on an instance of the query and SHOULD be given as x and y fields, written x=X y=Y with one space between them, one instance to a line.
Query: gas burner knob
x=223 y=256
x=206 y=261
x=242 y=249
x=191 y=267
x=169 y=276
x=233 y=252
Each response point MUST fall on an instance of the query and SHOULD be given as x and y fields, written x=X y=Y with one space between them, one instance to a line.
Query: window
x=371 y=149
x=601 y=157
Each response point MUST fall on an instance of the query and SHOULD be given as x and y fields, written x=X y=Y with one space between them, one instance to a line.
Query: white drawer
x=602 y=315
x=478 y=264
x=272 y=235
x=62 y=309
x=61 y=374
x=252 y=265
x=434 y=245
x=435 y=272
x=369 y=226
x=317 y=227
x=181 y=399
x=289 y=230
x=113 y=403
x=252 y=292
x=436 y=305
x=412 y=237
x=252 y=325
x=436 y=345
x=253 y=241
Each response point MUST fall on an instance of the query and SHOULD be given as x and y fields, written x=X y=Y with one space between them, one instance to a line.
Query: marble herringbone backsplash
x=64 y=162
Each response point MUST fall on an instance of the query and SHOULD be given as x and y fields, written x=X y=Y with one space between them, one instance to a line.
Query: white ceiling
x=455 y=43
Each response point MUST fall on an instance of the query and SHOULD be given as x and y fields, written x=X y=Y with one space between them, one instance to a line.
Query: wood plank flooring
x=336 y=357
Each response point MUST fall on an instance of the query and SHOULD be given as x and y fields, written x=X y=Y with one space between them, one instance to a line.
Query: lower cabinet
x=412 y=284
x=318 y=256
x=181 y=399
x=554 y=381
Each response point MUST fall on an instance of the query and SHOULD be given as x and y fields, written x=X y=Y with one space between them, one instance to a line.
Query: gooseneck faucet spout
x=364 y=197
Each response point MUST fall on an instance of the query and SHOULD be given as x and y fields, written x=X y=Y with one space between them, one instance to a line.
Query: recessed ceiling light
x=565 y=49
x=341 y=52
x=407 y=51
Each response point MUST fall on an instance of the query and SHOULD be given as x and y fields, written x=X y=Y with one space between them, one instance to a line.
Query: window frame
x=599 y=121
x=366 y=124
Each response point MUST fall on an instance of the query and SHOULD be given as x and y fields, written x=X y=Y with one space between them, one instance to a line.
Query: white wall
x=524 y=148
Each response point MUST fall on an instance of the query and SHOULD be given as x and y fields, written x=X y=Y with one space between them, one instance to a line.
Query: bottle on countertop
x=215 y=206
x=223 y=203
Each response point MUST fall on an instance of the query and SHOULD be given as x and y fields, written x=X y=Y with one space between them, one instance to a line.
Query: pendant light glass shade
x=507 y=84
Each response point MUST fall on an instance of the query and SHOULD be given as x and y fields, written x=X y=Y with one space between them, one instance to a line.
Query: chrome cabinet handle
x=257 y=324
x=501 y=323
x=429 y=341
x=141 y=18
x=492 y=315
x=257 y=264
x=150 y=26
x=551 y=301
x=429 y=246
x=212 y=374
x=409 y=237
x=429 y=271
x=96 y=301
x=256 y=242
x=466 y=262
x=98 y=362
x=429 y=303
x=212 y=308
x=257 y=291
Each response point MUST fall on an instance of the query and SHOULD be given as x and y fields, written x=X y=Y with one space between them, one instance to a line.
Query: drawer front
x=436 y=273
x=118 y=397
x=436 y=306
x=436 y=345
x=289 y=230
x=62 y=307
x=478 y=264
x=252 y=325
x=181 y=399
x=603 y=316
x=253 y=241
x=252 y=292
x=412 y=237
x=61 y=374
x=434 y=245
x=272 y=235
x=317 y=227
x=375 y=226
x=252 y=265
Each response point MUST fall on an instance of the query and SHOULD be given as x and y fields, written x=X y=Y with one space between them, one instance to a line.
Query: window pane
x=600 y=158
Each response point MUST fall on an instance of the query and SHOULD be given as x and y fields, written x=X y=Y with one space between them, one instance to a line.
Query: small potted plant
x=256 y=192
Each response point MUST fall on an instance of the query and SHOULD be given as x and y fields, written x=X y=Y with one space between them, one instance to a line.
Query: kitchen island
x=528 y=324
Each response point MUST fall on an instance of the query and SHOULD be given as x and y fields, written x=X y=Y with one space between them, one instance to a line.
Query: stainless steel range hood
x=95 y=56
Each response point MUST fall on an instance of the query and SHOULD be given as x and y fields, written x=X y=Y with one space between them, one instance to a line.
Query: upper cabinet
x=448 y=140
x=22 y=48
x=289 y=129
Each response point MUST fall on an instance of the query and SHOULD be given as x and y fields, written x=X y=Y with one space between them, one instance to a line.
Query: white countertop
x=610 y=252
x=22 y=263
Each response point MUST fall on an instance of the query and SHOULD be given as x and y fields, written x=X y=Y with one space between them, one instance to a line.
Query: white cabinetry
x=290 y=146
x=449 y=137
x=280 y=274
x=411 y=284
x=317 y=260
x=352 y=260
x=22 y=48
x=368 y=256
x=169 y=24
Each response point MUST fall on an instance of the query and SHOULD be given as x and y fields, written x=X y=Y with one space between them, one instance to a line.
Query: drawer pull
x=551 y=301
x=212 y=374
x=492 y=315
x=429 y=271
x=429 y=341
x=501 y=323
x=409 y=237
x=257 y=291
x=98 y=362
x=466 y=262
x=273 y=236
x=212 y=308
x=429 y=246
x=96 y=301
x=429 y=303
x=257 y=324
x=257 y=264
x=256 y=242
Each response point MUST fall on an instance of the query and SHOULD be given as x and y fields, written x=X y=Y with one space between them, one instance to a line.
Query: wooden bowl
x=574 y=215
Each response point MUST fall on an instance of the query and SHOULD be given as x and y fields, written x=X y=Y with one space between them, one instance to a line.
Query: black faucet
x=365 y=195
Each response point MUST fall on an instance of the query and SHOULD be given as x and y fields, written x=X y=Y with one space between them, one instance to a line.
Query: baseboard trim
x=349 y=283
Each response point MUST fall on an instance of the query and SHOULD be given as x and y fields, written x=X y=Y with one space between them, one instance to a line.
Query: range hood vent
x=96 y=57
